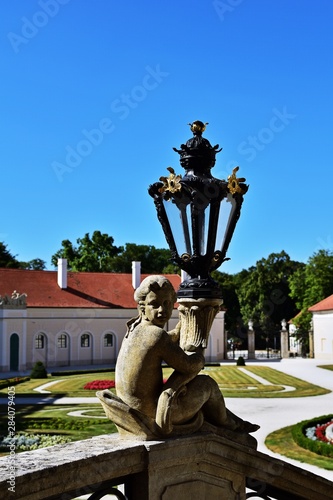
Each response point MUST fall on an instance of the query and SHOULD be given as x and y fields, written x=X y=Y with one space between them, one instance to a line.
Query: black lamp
x=198 y=214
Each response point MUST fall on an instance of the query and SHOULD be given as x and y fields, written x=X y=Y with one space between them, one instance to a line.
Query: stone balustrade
x=200 y=466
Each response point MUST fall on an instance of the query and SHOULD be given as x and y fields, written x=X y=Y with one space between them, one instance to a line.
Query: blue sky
x=95 y=94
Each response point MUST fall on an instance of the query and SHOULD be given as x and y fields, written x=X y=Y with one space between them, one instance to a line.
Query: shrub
x=99 y=385
x=63 y=373
x=9 y=382
x=314 y=445
x=38 y=371
x=240 y=361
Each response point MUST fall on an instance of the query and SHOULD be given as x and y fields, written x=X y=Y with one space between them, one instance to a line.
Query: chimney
x=136 y=274
x=183 y=275
x=62 y=273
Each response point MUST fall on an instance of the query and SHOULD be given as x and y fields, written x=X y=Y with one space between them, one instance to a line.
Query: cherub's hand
x=175 y=333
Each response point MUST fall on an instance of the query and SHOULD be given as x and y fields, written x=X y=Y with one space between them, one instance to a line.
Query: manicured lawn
x=79 y=421
x=69 y=386
x=235 y=383
x=57 y=419
x=231 y=379
x=281 y=441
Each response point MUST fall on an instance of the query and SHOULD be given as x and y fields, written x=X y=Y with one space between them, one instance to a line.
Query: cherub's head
x=155 y=297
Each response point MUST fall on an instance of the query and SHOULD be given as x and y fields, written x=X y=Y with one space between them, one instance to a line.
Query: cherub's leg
x=204 y=394
x=201 y=393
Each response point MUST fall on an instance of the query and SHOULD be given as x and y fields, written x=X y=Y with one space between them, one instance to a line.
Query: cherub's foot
x=248 y=427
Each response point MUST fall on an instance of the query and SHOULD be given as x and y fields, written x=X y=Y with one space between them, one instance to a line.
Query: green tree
x=6 y=258
x=99 y=254
x=92 y=254
x=264 y=294
x=153 y=260
x=310 y=284
x=34 y=264
x=233 y=320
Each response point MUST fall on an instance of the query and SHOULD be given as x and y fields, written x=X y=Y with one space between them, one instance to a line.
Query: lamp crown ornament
x=198 y=213
x=197 y=155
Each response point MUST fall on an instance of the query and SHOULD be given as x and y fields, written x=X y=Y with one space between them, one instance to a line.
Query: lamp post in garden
x=198 y=214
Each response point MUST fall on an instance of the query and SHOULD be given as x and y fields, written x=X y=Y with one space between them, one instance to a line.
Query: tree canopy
x=310 y=284
x=153 y=260
x=6 y=258
x=92 y=254
x=9 y=261
x=264 y=294
x=99 y=254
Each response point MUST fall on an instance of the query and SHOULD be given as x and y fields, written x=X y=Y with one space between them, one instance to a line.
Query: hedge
x=318 y=447
x=81 y=372
x=9 y=382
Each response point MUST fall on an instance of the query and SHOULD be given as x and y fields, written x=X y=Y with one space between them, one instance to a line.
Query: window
x=85 y=340
x=39 y=341
x=62 y=341
x=108 y=340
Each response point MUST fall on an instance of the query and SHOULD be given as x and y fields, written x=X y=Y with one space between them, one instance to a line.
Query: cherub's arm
x=186 y=364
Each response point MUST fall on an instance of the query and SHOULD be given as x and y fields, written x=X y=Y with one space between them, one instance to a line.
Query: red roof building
x=72 y=318
x=322 y=325
x=323 y=305
x=84 y=290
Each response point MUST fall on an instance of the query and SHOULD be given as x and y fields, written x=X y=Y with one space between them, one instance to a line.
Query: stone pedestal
x=251 y=344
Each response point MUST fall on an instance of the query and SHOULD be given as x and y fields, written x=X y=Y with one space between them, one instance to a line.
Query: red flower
x=320 y=432
x=98 y=385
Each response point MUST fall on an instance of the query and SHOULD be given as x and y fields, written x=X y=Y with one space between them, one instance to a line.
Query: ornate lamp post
x=198 y=214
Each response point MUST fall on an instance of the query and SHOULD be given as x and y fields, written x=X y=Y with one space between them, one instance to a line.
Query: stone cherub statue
x=147 y=408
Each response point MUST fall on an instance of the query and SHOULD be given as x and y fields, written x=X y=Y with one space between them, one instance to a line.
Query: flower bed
x=28 y=442
x=315 y=435
x=99 y=385
x=321 y=432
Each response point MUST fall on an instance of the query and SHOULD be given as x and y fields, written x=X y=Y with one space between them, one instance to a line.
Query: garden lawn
x=55 y=419
x=231 y=379
x=281 y=441
x=68 y=386
x=235 y=383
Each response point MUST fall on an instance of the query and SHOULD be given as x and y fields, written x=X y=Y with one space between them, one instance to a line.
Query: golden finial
x=198 y=127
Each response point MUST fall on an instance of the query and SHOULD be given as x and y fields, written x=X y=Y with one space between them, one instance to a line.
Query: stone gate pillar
x=251 y=341
x=284 y=340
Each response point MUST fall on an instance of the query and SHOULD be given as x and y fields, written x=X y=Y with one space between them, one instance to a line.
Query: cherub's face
x=158 y=307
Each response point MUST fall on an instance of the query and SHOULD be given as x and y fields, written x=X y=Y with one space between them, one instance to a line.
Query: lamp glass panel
x=227 y=209
x=179 y=220
x=205 y=228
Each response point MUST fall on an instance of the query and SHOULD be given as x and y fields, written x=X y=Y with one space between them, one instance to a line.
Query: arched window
x=62 y=341
x=39 y=341
x=85 y=340
x=108 y=340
